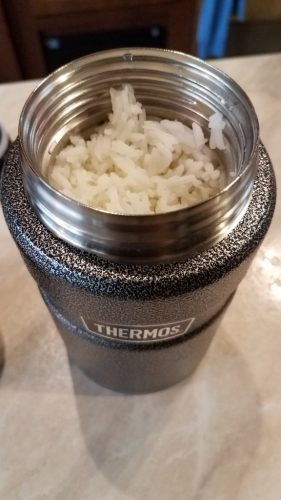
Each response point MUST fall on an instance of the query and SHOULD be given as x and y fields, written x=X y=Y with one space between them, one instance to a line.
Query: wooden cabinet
x=9 y=67
x=260 y=10
x=33 y=19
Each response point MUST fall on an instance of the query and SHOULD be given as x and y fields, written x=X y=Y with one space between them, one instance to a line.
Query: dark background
x=37 y=36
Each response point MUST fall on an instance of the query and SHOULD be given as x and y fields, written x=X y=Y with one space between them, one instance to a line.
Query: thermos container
x=137 y=299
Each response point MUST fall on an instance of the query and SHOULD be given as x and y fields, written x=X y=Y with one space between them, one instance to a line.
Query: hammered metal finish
x=75 y=283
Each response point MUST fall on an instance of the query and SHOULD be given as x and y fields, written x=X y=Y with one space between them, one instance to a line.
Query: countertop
x=215 y=436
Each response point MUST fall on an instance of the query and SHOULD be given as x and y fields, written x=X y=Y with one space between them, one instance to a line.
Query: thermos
x=137 y=299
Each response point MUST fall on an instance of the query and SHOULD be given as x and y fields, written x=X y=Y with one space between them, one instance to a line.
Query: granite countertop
x=215 y=436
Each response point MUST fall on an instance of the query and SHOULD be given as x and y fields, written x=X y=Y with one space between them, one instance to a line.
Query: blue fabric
x=213 y=24
x=239 y=9
x=205 y=26
x=220 y=28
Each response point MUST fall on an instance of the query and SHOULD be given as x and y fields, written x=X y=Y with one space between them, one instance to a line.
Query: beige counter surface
x=216 y=436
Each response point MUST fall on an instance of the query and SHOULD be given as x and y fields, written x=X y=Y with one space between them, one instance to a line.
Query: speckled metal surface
x=77 y=283
x=82 y=269
x=125 y=367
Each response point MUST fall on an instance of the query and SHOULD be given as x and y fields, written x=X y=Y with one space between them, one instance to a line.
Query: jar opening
x=170 y=85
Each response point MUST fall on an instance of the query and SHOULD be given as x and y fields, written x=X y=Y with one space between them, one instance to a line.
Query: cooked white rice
x=132 y=165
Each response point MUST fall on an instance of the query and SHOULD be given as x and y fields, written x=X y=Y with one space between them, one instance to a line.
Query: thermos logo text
x=139 y=333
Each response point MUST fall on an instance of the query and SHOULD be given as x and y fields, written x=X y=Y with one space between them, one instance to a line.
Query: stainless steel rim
x=170 y=84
